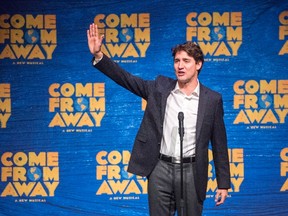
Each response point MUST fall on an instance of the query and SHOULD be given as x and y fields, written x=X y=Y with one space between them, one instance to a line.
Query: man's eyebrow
x=185 y=59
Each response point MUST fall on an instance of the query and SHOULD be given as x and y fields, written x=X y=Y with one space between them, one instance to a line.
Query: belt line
x=176 y=160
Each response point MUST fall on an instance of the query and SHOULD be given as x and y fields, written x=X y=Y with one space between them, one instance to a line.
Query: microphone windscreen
x=180 y=115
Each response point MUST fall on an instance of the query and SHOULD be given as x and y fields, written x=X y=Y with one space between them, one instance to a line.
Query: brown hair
x=192 y=49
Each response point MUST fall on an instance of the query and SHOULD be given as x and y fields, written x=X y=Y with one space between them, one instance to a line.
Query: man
x=156 y=149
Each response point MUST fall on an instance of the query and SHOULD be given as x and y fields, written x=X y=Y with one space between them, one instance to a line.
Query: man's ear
x=198 y=65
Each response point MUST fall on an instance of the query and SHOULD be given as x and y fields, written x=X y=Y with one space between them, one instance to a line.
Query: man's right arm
x=107 y=66
x=132 y=83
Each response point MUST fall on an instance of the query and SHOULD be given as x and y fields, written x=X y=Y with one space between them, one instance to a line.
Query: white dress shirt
x=177 y=102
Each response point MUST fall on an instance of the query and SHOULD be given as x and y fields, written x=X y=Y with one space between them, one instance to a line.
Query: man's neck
x=188 y=88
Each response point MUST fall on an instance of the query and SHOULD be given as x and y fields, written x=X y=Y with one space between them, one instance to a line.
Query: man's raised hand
x=94 y=41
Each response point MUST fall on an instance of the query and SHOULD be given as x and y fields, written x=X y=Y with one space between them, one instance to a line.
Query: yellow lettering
x=235 y=47
x=49 y=50
x=269 y=117
x=97 y=117
x=4 y=119
x=24 y=188
x=132 y=188
x=100 y=172
x=104 y=189
x=85 y=120
x=284 y=168
x=236 y=182
x=7 y=53
x=97 y=105
x=142 y=48
x=284 y=186
x=143 y=183
x=51 y=186
x=241 y=118
x=9 y=190
x=284 y=49
x=57 y=121
x=36 y=53
x=38 y=190
x=50 y=174
x=237 y=170
x=222 y=50
x=212 y=185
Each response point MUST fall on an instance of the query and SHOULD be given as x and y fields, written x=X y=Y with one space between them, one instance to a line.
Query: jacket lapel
x=201 y=107
x=201 y=110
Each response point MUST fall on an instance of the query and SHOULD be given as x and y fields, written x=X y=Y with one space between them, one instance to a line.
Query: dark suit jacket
x=210 y=126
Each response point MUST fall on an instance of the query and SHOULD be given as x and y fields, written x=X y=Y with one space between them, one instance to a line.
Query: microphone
x=181 y=133
x=181 y=125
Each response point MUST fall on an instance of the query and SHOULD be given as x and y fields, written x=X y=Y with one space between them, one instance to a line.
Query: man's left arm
x=220 y=154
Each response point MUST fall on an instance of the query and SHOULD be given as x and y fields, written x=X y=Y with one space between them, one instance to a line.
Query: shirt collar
x=196 y=91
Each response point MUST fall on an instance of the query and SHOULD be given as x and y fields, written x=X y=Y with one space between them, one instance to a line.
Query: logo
x=114 y=180
x=5 y=104
x=126 y=36
x=218 y=35
x=284 y=168
x=264 y=103
x=283 y=32
x=29 y=175
x=27 y=39
x=78 y=107
x=236 y=161
x=143 y=104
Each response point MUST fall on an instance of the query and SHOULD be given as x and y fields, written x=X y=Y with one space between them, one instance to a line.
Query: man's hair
x=192 y=49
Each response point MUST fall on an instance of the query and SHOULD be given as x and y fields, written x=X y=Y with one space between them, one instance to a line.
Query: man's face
x=185 y=67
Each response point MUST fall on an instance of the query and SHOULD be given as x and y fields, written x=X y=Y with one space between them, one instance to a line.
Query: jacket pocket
x=141 y=137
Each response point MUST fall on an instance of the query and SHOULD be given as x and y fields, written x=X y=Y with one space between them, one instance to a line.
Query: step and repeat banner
x=67 y=130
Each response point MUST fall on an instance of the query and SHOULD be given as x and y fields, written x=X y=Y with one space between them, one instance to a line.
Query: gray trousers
x=164 y=190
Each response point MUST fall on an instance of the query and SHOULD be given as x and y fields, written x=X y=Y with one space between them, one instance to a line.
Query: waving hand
x=94 y=41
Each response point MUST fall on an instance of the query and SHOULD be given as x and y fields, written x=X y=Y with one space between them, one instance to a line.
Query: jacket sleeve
x=220 y=149
x=132 y=83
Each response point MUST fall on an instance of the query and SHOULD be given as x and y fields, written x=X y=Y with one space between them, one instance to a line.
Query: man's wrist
x=97 y=57
x=98 y=54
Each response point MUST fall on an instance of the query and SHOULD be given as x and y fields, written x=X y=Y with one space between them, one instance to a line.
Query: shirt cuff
x=96 y=61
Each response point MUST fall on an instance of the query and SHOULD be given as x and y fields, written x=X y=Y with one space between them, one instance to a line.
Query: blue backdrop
x=67 y=130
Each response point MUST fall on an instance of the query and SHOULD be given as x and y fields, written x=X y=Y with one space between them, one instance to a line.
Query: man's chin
x=182 y=80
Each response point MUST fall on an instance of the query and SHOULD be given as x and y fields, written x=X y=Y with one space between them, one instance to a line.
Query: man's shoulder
x=164 y=83
x=209 y=91
x=161 y=78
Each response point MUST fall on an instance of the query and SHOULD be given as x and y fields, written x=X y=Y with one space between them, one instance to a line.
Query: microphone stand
x=181 y=168
x=181 y=134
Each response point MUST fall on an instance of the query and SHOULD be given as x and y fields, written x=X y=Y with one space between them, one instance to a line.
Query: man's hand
x=94 y=41
x=221 y=196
